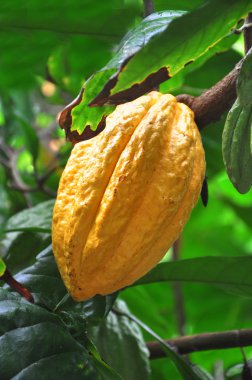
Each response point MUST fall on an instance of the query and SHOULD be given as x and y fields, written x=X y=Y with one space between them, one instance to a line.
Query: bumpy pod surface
x=237 y=146
x=126 y=194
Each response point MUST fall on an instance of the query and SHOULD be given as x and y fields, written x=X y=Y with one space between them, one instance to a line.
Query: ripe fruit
x=126 y=194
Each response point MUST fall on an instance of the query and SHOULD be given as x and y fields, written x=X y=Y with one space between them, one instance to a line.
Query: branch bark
x=204 y=342
x=248 y=33
x=209 y=106
x=148 y=7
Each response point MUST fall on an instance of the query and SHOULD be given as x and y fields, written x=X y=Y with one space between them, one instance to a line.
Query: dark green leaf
x=35 y=344
x=230 y=273
x=121 y=345
x=35 y=219
x=187 y=370
x=43 y=279
x=106 y=372
x=19 y=249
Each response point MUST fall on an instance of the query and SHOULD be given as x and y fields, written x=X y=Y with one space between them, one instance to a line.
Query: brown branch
x=204 y=342
x=248 y=33
x=15 y=285
x=148 y=7
x=209 y=106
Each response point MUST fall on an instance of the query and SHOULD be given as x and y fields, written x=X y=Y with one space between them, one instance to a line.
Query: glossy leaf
x=25 y=326
x=175 y=47
x=82 y=115
x=42 y=278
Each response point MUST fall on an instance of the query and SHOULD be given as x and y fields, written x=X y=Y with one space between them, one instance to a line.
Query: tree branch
x=148 y=7
x=248 y=33
x=204 y=342
x=209 y=106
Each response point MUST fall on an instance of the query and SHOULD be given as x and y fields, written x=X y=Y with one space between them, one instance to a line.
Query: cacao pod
x=236 y=146
x=126 y=194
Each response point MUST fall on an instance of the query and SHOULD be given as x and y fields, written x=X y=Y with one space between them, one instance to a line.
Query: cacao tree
x=68 y=72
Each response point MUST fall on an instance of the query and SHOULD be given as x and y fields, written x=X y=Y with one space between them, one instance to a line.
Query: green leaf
x=35 y=343
x=2 y=267
x=65 y=18
x=107 y=372
x=188 y=371
x=186 y=39
x=82 y=115
x=229 y=273
x=32 y=30
x=42 y=278
x=35 y=219
x=121 y=345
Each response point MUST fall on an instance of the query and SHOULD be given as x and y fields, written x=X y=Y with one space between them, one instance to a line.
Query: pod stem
x=15 y=285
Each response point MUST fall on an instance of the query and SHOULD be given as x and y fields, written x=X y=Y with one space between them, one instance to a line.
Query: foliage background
x=48 y=51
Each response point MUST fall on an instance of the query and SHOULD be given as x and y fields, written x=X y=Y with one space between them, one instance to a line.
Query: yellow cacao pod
x=126 y=194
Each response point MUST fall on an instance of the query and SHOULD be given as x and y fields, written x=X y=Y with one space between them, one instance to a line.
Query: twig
x=178 y=294
x=15 y=285
x=9 y=161
x=204 y=342
x=248 y=33
x=148 y=7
